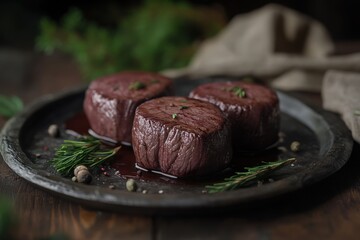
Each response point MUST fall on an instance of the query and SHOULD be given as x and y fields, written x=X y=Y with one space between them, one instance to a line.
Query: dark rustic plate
x=325 y=147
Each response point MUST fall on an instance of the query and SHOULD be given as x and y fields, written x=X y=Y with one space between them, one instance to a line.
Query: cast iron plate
x=326 y=145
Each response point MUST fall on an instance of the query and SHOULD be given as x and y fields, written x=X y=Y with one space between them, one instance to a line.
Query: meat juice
x=124 y=160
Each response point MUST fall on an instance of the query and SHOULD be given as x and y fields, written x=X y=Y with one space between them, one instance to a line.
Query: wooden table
x=327 y=210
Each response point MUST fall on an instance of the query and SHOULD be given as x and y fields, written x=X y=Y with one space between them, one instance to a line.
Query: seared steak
x=181 y=136
x=110 y=102
x=253 y=111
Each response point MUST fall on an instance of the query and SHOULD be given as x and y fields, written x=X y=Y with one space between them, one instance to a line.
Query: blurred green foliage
x=9 y=106
x=7 y=218
x=154 y=36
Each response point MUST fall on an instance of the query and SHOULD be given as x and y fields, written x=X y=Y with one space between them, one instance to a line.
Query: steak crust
x=110 y=101
x=254 y=117
x=181 y=136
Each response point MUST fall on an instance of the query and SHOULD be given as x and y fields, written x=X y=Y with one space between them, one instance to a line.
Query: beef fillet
x=110 y=102
x=253 y=111
x=181 y=136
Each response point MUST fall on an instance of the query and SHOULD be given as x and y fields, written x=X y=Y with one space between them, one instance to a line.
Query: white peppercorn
x=295 y=146
x=53 y=130
x=84 y=176
x=131 y=185
x=80 y=167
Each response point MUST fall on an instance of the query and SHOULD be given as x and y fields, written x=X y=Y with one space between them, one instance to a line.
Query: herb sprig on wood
x=87 y=151
x=241 y=179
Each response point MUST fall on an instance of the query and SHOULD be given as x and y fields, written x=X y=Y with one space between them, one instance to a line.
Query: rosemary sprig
x=241 y=179
x=9 y=106
x=85 y=151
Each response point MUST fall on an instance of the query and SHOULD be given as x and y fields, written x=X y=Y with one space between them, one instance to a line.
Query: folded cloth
x=273 y=43
x=341 y=93
x=283 y=47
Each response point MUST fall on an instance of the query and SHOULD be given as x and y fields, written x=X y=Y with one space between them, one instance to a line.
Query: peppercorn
x=295 y=146
x=131 y=185
x=78 y=168
x=84 y=176
x=53 y=130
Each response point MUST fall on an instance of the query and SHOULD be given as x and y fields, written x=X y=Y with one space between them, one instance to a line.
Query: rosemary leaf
x=183 y=107
x=174 y=115
x=85 y=151
x=238 y=91
x=9 y=106
x=241 y=179
x=137 y=85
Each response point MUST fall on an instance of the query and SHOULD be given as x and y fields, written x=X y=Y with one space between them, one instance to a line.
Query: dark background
x=19 y=18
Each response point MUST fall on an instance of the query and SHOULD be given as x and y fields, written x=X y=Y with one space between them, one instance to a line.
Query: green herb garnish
x=357 y=112
x=238 y=91
x=241 y=179
x=174 y=115
x=137 y=85
x=85 y=151
x=183 y=107
x=9 y=106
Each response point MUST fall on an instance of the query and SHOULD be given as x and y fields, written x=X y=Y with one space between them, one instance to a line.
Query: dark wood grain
x=41 y=215
x=327 y=210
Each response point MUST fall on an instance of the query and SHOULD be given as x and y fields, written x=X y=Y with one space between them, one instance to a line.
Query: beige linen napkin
x=289 y=50
x=341 y=93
